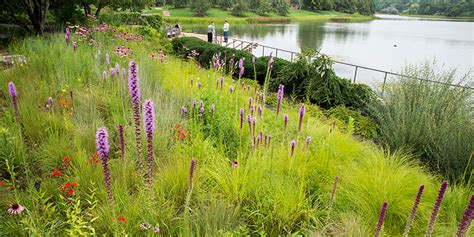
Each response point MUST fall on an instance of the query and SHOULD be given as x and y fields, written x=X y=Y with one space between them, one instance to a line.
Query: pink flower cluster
x=129 y=37
x=123 y=51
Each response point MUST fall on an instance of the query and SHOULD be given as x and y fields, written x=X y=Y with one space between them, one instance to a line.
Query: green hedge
x=313 y=80
x=131 y=18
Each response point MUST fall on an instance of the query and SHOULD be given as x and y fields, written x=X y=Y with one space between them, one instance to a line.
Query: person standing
x=211 y=31
x=226 y=31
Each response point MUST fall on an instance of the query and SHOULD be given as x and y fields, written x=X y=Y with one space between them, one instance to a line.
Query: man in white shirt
x=211 y=31
x=226 y=31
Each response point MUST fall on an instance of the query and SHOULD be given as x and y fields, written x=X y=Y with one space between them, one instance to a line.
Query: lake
x=388 y=43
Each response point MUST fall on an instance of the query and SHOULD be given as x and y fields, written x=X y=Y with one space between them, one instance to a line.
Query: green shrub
x=317 y=82
x=432 y=120
x=363 y=125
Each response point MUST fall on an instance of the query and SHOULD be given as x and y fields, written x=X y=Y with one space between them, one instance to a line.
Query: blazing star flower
x=122 y=142
x=231 y=89
x=201 y=109
x=66 y=37
x=466 y=218
x=437 y=205
x=293 y=143
x=199 y=85
x=13 y=94
x=241 y=67
x=279 y=98
x=254 y=122
x=184 y=111
x=191 y=172
x=248 y=87
x=334 y=189
x=383 y=211
x=194 y=104
x=12 y=89
x=222 y=81
x=15 y=209
x=117 y=68
x=124 y=73
x=250 y=102
x=102 y=146
x=252 y=109
x=149 y=111
x=411 y=218
x=285 y=120
x=74 y=45
x=301 y=117
x=104 y=76
x=201 y=104
x=112 y=73
x=259 y=111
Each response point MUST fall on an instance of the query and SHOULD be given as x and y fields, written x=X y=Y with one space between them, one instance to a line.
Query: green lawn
x=185 y=15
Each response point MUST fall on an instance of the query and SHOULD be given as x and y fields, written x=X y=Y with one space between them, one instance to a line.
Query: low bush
x=432 y=120
x=354 y=120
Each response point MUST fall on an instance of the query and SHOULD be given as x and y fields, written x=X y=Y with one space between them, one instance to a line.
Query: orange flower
x=56 y=173
x=122 y=219
x=66 y=161
x=70 y=191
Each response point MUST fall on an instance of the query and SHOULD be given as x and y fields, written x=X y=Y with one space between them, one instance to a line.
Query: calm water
x=387 y=44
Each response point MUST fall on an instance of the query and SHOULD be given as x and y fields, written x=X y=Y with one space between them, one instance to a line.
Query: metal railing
x=252 y=47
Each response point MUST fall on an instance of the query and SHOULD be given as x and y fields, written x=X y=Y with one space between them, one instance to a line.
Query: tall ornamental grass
x=432 y=120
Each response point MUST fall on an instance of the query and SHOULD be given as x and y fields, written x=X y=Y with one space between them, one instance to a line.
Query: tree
x=180 y=3
x=261 y=7
x=34 y=10
x=200 y=7
x=281 y=7
x=239 y=7
x=347 y=6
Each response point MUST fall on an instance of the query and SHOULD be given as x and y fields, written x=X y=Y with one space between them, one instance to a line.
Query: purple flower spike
x=194 y=104
x=285 y=120
x=201 y=104
x=383 y=211
x=302 y=110
x=107 y=60
x=259 y=111
x=334 y=189
x=250 y=102
x=467 y=218
x=265 y=141
x=192 y=82
x=241 y=67
x=241 y=115
x=201 y=110
x=212 y=109
x=66 y=37
x=134 y=89
x=117 y=69
x=112 y=73
x=12 y=89
x=184 y=111
x=231 y=89
x=436 y=207
x=74 y=45
x=279 y=98
x=149 y=111
x=222 y=82
x=122 y=142
x=191 y=173
x=254 y=123
x=199 y=85
x=411 y=218
x=293 y=144
x=124 y=73
x=14 y=94
x=249 y=120
x=102 y=146
x=252 y=109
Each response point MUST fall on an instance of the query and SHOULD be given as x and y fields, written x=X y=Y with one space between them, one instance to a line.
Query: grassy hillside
x=236 y=189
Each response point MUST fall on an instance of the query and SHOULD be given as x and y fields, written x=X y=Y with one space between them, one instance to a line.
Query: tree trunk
x=87 y=8
x=37 y=11
x=99 y=7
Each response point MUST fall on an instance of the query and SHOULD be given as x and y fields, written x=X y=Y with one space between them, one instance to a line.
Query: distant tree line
x=451 y=8
x=281 y=7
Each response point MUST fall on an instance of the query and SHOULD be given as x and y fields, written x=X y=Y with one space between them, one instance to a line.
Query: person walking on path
x=211 y=31
x=226 y=31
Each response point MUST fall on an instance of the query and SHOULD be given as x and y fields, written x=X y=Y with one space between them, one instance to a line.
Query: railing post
x=276 y=53
x=384 y=80
x=242 y=45
x=355 y=74
x=233 y=43
x=291 y=60
x=263 y=51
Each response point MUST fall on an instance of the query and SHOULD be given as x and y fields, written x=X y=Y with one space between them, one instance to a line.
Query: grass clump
x=430 y=119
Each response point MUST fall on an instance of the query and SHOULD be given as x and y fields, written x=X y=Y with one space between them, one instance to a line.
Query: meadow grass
x=269 y=192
